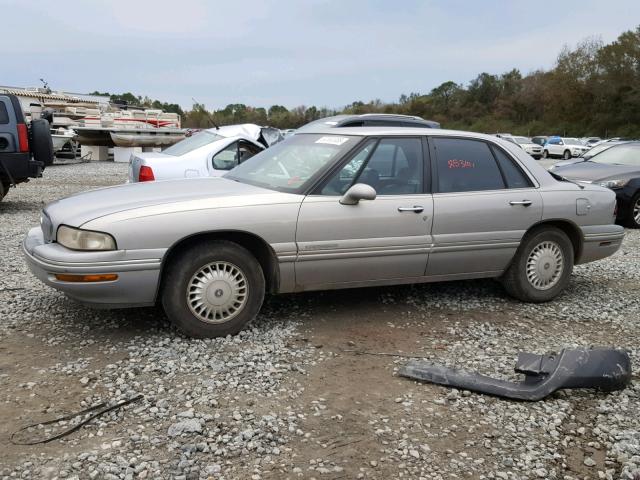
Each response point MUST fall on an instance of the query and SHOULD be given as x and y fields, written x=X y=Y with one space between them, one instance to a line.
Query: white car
x=564 y=147
x=528 y=146
x=208 y=153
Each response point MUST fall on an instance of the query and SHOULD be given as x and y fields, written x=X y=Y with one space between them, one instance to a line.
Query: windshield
x=522 y=140
x=291 y=165
x=620 y=155
x=572 y=141
x=189 y=144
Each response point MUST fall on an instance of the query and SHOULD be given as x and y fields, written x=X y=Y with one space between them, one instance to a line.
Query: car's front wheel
x=545 y=154
x=542 y=266
x=566 y=155
x=633 y=216
x=213 y=289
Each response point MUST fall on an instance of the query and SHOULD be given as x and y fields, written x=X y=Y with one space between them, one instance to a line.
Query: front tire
x=633 y=216
x=213 y=289
x=545 y=154
x=566 y=155
x=542 y=266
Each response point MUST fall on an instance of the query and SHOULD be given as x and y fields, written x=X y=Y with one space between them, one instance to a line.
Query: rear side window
x=514 y=176
x=4 y=115
x=466 y=166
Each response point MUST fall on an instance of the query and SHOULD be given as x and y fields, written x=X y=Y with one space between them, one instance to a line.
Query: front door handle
x=524 y=203
x=415 y=208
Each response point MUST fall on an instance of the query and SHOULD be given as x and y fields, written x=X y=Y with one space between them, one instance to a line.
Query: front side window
x=392 y=166
x=227 y=158
x=465 y=166
x=295 y=163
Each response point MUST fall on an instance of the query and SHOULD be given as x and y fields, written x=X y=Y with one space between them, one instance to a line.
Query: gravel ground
x=305 y=393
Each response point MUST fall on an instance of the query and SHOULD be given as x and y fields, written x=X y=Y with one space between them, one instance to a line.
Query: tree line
x=592 y=90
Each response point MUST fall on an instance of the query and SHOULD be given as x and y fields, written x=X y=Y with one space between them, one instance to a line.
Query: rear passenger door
x=483 y=202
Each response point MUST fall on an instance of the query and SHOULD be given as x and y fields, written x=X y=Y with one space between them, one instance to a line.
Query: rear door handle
x=415 y=208
x=524 y=203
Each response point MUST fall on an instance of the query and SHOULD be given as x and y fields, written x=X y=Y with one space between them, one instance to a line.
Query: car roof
x=393 y=131
x=339 y=120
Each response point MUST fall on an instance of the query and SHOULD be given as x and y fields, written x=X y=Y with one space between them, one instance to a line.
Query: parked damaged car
x=617 y=168
x=206 y=153
x=325 y=209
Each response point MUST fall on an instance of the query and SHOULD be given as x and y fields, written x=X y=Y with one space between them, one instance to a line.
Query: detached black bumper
x=18 y=167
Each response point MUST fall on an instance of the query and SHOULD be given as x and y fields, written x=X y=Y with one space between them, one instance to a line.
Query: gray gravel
x=263 y=405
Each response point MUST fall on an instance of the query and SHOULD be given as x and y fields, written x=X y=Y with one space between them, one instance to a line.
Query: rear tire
x=542 y=266
x=213 y=289
x=632 y=219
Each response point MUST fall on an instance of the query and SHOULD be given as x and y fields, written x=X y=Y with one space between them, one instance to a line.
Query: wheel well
x=256 y=245
x=570 y=229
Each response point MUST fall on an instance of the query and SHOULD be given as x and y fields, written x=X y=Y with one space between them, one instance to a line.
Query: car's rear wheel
x=545 y=154
x=542 y=266
x=566 y=155
x=213 y=289
x=633 y=216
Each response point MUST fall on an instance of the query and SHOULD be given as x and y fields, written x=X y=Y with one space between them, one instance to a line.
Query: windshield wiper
x=565 y=179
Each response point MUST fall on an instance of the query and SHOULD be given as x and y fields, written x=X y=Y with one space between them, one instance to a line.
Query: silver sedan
x=325 y=209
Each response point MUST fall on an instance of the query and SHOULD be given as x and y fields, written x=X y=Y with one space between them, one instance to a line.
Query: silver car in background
x=325 y=209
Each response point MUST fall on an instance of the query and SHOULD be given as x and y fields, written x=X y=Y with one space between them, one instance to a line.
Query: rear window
x=513 y=175
x=4 y=115
x=189 y=144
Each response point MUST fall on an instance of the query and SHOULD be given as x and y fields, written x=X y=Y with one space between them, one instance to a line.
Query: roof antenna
x=45 y=85
x=207 y=112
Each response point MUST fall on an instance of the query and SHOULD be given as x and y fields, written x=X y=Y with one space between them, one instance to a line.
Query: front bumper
x=599 y=242
x=137 y=281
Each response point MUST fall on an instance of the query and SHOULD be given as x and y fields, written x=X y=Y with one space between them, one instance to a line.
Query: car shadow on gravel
x=7 y=206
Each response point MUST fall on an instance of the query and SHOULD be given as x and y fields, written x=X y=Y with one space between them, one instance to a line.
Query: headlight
x=614 y=183
x=77 y=239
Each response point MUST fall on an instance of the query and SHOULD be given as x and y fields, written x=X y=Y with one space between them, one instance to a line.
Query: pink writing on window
x=453 y=163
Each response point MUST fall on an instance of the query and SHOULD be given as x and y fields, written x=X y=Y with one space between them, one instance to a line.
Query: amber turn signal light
x=102 y=277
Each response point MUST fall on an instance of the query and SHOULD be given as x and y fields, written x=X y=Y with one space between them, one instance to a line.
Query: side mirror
x=359 y=191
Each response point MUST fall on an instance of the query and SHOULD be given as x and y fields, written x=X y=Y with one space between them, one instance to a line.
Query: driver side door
x=380 y=241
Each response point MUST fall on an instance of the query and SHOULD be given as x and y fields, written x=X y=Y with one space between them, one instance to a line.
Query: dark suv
x=371 y=120
x=25 y=149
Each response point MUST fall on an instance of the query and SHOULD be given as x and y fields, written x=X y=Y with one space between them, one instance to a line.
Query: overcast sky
x=299 y=52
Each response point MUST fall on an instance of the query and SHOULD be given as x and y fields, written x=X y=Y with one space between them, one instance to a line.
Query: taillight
x=615 y=210
x=23 y=138
x=146 y=174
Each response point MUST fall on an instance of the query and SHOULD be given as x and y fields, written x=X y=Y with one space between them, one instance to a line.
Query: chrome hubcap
x=545 y=265
x=217 y=292
x=636 y=211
